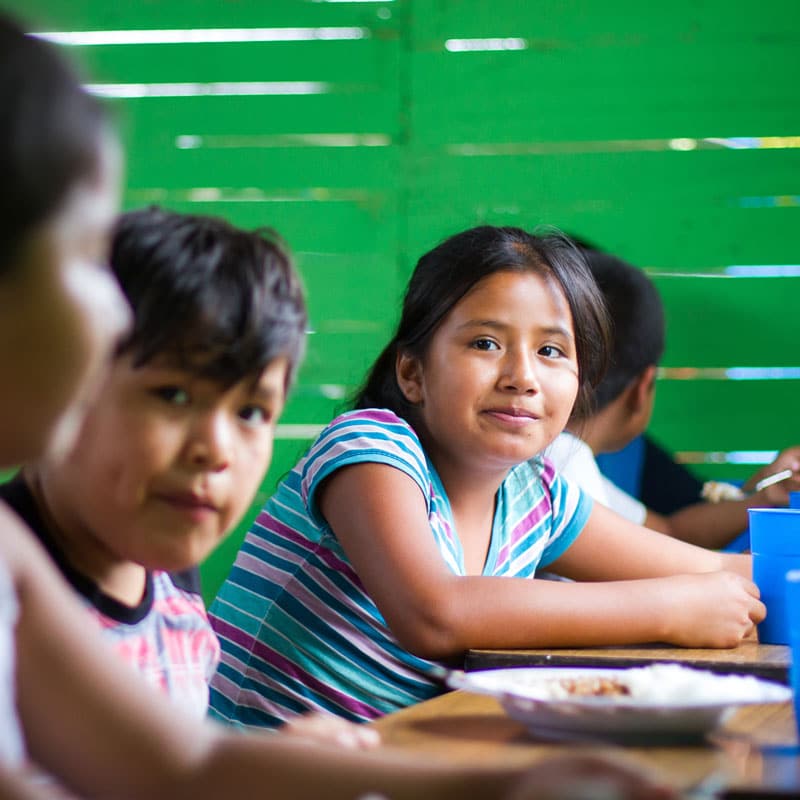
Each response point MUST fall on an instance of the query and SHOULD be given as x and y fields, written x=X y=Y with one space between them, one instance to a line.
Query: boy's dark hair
x=445 y=274
x=637 y=319
x=219 y=301
x=50 y=133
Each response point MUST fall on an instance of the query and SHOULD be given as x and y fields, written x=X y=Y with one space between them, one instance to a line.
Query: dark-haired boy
x=623 y=407
x=176 y=441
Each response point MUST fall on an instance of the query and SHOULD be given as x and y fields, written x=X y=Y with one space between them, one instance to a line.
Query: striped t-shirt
x=297 y=629
x=166 y=636
x=167 y=640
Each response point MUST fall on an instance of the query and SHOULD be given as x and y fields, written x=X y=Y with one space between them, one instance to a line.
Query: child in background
x=82 y=715
x=410 y=531
x=177 y=439
x=622 y=410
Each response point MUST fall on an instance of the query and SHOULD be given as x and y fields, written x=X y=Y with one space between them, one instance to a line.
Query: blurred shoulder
x=21 y=554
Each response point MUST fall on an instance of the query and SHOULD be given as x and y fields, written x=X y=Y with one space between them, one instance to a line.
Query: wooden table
x=770 y=661
x=753 y=755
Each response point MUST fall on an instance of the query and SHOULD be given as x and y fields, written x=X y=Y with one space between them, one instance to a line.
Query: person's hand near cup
x=777 y=494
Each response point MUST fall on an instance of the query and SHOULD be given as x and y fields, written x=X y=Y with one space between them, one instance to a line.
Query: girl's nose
x=519 y=374
x=210 y=442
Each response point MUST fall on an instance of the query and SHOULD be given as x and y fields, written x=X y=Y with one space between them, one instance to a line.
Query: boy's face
x=167 y=462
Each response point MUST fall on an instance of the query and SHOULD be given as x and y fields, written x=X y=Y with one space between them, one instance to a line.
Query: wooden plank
x=662 y=209
x=731 y=322
x=750 y=658
x=613 y=74
x=93 y=14
x=726 y=415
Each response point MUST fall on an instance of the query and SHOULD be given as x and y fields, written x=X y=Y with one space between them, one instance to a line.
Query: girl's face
x=500 y=376
x=61 y=312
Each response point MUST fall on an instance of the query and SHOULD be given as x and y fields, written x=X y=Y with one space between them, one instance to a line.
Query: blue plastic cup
x=793 y=605
x=794 y=500
x=775 y=545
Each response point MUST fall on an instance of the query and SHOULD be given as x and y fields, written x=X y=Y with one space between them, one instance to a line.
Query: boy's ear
x=641 y=390
x=408 y=372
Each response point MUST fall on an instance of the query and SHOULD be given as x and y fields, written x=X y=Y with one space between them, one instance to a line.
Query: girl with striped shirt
x=411 y=530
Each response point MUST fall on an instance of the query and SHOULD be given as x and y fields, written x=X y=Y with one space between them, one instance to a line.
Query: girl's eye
x=485 y=344
x=173 y=395
x=550 y=351
x=255 y=415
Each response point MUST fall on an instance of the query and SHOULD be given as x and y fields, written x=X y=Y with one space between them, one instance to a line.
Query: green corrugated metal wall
x=668 y=134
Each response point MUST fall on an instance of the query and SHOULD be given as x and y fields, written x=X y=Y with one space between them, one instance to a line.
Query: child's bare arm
x=94 y=724
x=329 y=729
x=647 y=554
x=628 y=593
x=18 y=785
x=704 y=524
x=715 y=524
x=613 y=548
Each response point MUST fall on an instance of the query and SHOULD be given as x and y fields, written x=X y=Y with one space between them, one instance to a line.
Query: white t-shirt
x=11 y=750
x=574 y=459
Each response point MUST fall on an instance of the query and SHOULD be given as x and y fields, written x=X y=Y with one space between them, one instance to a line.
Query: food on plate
x=668 y=684
x=594 y=687
x=663 y=699
x=717 y=491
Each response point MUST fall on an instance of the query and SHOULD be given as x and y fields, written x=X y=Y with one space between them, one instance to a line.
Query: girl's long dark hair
x=445 y=274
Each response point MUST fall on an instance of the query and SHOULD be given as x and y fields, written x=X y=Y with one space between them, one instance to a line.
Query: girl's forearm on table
x=482 y=612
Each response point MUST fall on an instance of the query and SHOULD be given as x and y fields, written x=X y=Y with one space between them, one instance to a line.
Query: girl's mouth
x=512 y=415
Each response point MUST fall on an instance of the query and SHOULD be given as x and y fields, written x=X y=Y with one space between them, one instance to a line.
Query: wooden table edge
x=477 y=660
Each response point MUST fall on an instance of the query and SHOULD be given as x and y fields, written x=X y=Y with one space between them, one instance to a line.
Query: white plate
x=664 y=700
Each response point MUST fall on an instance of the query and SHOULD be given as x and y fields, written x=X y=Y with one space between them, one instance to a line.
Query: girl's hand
x=711 y=609
x=328 y=729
